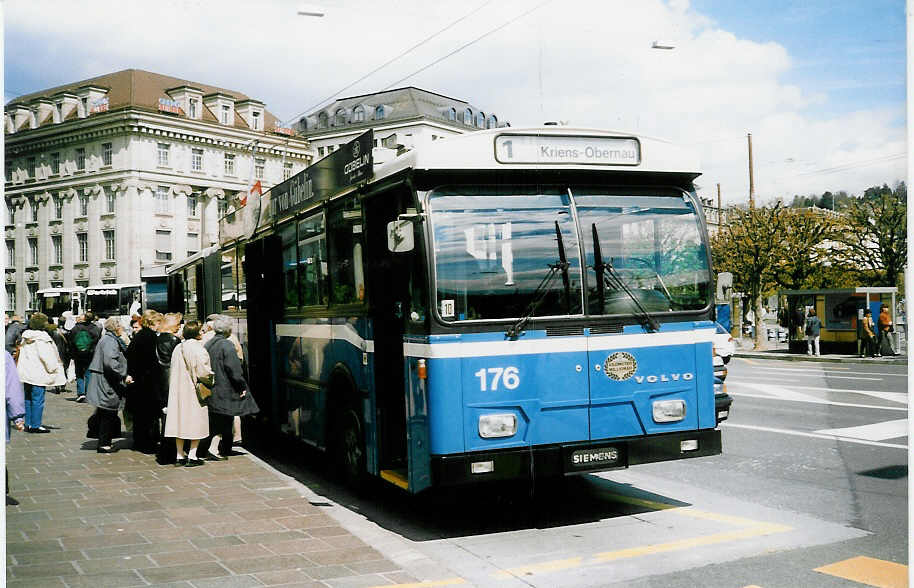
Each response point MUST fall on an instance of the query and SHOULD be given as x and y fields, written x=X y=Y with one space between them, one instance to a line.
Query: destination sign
x=571 y=150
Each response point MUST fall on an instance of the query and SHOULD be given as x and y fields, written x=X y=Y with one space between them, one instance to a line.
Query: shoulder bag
x=203 y=391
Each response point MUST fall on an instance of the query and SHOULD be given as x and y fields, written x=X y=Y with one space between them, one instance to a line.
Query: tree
x=803 y=250
x=748 y=247
x=873 y=238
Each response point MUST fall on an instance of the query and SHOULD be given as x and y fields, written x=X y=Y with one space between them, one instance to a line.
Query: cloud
x=588 y=62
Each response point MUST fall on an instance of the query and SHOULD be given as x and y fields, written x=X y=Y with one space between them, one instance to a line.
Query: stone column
x=210 y=218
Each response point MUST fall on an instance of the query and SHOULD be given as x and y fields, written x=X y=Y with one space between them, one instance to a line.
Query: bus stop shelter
x=840 y=311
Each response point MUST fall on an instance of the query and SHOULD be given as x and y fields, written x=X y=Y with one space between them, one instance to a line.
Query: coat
x=143 y=366
x=15 y=396
x=14 y=330
x=185 y=418
x=108 y=369
x=39 y=363
x=83 y=359
x=229 y=380
x=813 y=326
x=165 y=346
x=63 y=347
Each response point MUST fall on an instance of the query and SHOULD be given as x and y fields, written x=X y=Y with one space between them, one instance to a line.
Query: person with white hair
x=230 y=395
x=108 y=381
x=186 y=418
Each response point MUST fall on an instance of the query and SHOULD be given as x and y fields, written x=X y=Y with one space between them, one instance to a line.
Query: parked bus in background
x=55 y=301
x=506 y=304
x=119 y=300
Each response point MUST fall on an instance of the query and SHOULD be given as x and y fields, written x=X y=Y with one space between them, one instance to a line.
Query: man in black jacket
x=83 y=338
x=143 y=394
x=13 y=331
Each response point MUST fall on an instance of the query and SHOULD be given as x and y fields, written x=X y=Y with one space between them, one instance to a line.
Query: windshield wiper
x=543 y=288
x=614 y=280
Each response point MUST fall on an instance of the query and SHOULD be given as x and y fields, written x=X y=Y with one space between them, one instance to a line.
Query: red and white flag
x=255 y=189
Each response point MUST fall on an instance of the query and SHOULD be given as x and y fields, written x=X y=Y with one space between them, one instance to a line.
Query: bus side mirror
x=400 y=236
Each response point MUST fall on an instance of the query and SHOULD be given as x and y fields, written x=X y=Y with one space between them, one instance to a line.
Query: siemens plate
x=592 y=458
x=567 y=149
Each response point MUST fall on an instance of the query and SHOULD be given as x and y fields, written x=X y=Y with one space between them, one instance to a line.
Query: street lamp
x=310 y=10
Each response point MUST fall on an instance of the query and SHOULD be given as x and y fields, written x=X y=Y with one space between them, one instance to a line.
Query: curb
x=783 y=356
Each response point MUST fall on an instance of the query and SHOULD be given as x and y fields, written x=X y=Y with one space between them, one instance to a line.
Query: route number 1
x=509 y=148
x=507 y=376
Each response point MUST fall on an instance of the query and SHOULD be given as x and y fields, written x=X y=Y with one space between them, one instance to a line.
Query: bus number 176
x=506 y=376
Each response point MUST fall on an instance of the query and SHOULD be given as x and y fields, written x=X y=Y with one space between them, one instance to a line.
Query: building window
x=80 y=158
x=58 y=207
x=196 y=160
x=286 y=171
x=358 y=114
x=163 y=245
x=109 y=244
x=82 y=283
x=225 y=114
x=34 y=206
x=229 y=164
x=30 y=167
x=379 y=112
x=9 y=170
x=33 y=251
x=192 y=107
x=492 y=122
x=85 y=103
x=468 y=117
x=322 y=120
x=55 y=163
x=452 y=114
x=339 y=119
x=11 y=298
x=193 y=243
x=83 y=204
x=163 y=202
x=10 y=213
x=192 y=205
x=163 y=149
x=255 y=117
x=10 y=253
x=82 y=243
x=320 y=151
x=107 y=153
x=110 y=200
x=259 y=162
x=57 y=246
x=33 y=296
x=221 y=207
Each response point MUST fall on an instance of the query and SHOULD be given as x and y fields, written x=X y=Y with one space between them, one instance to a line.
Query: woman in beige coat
x=185 y=418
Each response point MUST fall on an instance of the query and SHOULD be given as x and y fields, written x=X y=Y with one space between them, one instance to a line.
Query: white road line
x=822 y=370
x=830 y=376
x=817 y=401
x=900 y=397
x=779 y=392
x=872 y=432
x=730 y=425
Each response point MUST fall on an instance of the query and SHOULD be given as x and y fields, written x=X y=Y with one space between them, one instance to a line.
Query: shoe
x=80 y=399
x=211 y=457
x=192 y=463
x=106 y=449
x=10 y=501
x=181 y=462
x=38 y=430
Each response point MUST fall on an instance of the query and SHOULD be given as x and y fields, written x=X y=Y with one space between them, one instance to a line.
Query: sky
x=820 y=84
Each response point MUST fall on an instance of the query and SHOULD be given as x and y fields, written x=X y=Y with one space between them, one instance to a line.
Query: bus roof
x=182 y=263
x=52 y=291
x=549 y=147
x=113 y=286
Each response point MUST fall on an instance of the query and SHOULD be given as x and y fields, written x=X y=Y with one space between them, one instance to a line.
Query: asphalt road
x=813 y=477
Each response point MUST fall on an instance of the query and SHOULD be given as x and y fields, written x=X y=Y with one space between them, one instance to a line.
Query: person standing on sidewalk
x=39 y=367
x=869 y=336
x=106 y=384
x=14 y=330
x=885 y=332
x=143 y=394
x=84 y=336
x=166 y=341
x=186 y=418
x=813 y=328
x=63 y=352
x=15 y=411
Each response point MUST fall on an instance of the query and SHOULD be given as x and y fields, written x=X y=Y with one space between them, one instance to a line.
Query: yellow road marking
x=869 y=571
x=448 y=582
x=548 y=566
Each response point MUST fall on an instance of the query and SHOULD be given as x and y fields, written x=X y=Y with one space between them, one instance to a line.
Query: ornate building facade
x=111 y=175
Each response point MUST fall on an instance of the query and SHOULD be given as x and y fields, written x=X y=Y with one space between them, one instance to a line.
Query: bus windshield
x=55 y=305
x=493 y=247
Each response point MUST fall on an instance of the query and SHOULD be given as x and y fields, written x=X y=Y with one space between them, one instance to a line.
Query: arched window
x=358 y=114
x=379 y=112
x=492 y=122
x=480 y=120
x=322 y=120
x=339 y=118
x=303 y=123
x=452 y=114
x=468 y=117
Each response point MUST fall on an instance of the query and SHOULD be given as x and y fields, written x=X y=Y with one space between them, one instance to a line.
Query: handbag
x=203 y=391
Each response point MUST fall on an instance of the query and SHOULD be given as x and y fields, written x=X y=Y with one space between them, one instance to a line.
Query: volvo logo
x=684 y=376
x=620 y=366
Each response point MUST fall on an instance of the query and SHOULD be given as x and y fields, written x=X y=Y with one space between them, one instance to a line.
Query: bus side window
x=312 y=261
x=289 y=265
x=345 y=236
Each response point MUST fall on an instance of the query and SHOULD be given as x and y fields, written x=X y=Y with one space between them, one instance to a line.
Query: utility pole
x=751 y=177
x=720 y=210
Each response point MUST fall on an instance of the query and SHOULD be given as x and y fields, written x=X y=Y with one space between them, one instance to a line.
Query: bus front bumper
x=572 y=458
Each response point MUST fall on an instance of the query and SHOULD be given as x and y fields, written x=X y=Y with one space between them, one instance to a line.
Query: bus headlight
x=669 y=411
x=492 y=426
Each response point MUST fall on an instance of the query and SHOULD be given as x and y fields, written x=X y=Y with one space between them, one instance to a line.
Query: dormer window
x=358 y=114
x=379 y=112
x=226 y=111
x=192 y=108
x=492 y=122
x=468 y=117
x=480 y=120
x=452 y=114
x=255 y=117
x=339 y=118
x=322 y=120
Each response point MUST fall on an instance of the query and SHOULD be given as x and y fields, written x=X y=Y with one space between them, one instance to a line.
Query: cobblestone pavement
x=90 y=519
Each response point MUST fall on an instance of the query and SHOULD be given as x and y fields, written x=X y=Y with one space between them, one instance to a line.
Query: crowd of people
x=179 y=385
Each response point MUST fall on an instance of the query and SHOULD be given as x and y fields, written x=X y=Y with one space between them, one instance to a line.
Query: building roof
x=136 y=88
x=399 y=103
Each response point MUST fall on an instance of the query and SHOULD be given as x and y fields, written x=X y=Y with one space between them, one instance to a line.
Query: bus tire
x=349 y=447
